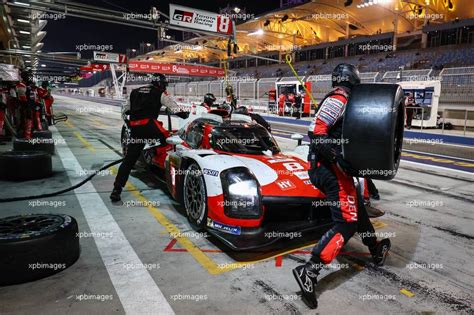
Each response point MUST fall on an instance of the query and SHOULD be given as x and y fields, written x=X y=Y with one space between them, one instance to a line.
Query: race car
x=233 y=180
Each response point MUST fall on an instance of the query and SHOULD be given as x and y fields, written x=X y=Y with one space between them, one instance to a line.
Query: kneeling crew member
x=328 y=173
x=143 y=106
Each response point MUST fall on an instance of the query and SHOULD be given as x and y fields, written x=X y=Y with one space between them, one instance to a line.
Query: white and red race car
x=233 y=180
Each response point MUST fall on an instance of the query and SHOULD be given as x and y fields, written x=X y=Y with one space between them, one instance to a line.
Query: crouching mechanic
x=144 y=106
x=328 y=172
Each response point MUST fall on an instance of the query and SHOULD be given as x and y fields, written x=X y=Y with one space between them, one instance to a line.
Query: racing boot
x=306 y=277
x=115 y=195
x=379 y=251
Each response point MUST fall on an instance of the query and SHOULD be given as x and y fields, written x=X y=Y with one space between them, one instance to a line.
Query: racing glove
x=323 y=148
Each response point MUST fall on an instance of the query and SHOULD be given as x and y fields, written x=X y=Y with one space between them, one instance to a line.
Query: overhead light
x=21 y=3
x=43 y=65
x=236 y=9
x=148 y=44
x=25 y=32
x=258 y=32
x=26 y=47
x=198 y=47
x=28 y=61
x=23 y=21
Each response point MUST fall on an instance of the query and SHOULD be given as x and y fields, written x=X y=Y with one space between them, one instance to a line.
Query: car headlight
x=242 y=197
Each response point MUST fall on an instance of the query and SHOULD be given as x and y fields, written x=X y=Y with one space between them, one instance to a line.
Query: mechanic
x=143 y=106
x=328 y=172
x=409 y=108
x=298 y=105
x=256 y=117
x=45 y=95
x=209 y=100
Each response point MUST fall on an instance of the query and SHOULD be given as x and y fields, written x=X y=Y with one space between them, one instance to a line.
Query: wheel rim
x=25 y=226
x=194 y=194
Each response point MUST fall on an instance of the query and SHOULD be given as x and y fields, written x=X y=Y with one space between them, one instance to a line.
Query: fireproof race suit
x=144 y=106
x=328 y=174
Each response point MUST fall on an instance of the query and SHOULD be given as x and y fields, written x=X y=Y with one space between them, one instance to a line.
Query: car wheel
x=195 y=196
x=35 y=246
x=25 y=165
x=373 y=130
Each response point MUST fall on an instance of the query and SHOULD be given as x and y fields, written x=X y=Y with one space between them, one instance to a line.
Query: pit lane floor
x=142 y=257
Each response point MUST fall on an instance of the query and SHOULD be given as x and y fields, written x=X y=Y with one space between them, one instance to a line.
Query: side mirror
x=298 y=137
x=174 y=140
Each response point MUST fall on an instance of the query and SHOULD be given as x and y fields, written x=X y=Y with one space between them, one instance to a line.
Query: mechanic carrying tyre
x=329 y=173
x=143 y=106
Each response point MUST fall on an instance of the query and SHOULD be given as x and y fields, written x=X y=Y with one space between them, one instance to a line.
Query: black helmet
x=241 y=110
x=209 y=99
x=159 y=80
x=345 y=74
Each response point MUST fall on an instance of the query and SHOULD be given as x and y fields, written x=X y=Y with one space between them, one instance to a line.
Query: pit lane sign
x=175 y=69
x=200 y=20
x=109 y=57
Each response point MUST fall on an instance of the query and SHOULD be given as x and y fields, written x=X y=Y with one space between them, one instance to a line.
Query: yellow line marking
x=358 y=267
x=378 y=224
x=84 y=141
x=69 y=124
x=438 y=160
x=407 y=293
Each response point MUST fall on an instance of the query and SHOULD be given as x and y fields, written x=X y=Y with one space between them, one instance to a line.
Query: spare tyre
x=25 y=165
x=43 y=134
x=35 y=246
x=34 y=144
x=373 y=130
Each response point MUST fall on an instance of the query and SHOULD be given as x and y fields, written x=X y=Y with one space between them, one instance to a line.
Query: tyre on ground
x=25 y=165
x=35 y=246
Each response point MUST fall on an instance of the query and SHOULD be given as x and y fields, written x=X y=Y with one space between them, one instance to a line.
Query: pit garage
x=217 y=221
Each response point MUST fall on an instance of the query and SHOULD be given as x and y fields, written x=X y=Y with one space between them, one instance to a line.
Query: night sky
x=65 y=34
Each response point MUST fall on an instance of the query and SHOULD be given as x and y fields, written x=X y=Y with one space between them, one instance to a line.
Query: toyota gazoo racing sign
x=109 y=57
x=176 y=69
x=201 y=20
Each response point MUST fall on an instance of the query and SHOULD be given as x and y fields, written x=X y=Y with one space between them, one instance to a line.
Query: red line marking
x=278 y=261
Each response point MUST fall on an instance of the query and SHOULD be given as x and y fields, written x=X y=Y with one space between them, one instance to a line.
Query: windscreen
x=243 y=139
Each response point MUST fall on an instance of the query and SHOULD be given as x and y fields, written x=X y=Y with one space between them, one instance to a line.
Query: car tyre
x=29 y=240
x=373 y=130
x=195 y=197
x=25 y=165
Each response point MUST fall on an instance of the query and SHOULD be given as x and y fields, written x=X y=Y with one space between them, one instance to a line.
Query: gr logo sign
x=183 y=16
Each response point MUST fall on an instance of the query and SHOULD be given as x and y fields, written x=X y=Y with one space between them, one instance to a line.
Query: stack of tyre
x=30 y=158
x=34 y=246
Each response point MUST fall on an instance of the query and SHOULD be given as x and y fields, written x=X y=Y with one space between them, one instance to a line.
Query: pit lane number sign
x=200 y=20
x=109 y=57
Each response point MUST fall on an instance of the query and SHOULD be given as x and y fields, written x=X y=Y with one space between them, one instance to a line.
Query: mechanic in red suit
x=35 y=105
x=281 y=104
x=26 y=120
x=45 y=95
x=328 y=172
x=143 y=106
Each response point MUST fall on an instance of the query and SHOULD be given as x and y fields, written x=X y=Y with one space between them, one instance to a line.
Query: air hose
x=88 y=178
x=289 y=60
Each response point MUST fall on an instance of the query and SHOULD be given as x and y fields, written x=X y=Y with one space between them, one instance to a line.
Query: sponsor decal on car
x=207 y=171
x=285 y=184
x=223 y=227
